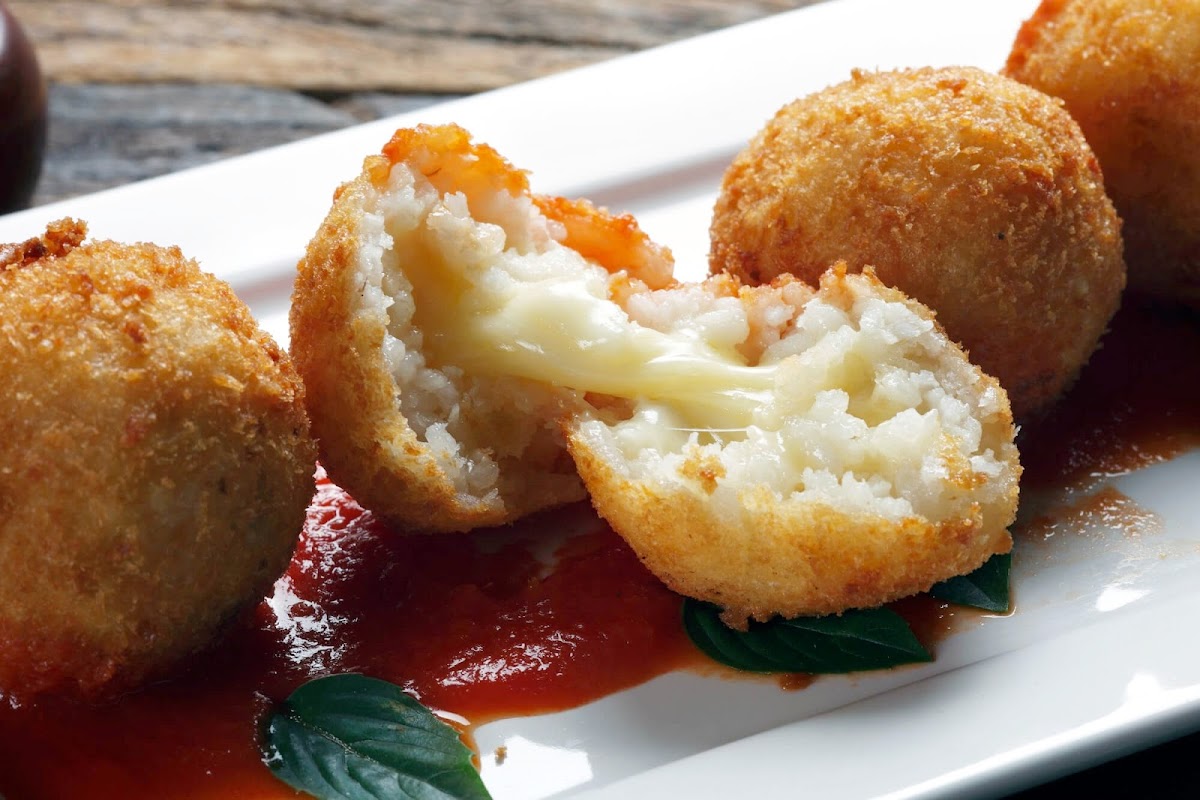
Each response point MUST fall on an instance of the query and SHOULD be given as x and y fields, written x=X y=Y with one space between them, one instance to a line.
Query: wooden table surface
x=145 y=87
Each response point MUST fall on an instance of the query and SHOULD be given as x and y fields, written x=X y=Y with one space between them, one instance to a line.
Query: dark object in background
x=22 y=115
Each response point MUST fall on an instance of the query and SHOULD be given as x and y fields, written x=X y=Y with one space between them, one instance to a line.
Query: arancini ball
x=1129 y=73
x=970 y=192
x=776 y=449
x=155 y=462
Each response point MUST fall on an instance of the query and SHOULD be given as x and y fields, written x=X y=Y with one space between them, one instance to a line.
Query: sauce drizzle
x=478 y=631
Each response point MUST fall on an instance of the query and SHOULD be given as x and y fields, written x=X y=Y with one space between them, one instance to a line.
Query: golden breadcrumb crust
x=777 y=558
x=155 y=462
x=970 y=192
x=1129 y=73
x=366 y=443
x=780 y=556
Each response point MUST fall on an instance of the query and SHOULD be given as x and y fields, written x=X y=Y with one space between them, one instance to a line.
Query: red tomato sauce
x=481 y=626
x=1137 y=402
x=477 y=625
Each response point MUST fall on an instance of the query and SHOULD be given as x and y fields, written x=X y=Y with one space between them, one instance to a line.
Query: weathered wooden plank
x=103 y=136
x=455 y=46
x=145 y=87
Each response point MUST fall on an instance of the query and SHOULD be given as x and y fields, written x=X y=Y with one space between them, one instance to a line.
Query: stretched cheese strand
x=566 y=331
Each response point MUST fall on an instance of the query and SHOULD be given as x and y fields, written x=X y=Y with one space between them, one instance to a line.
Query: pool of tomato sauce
x=486 y=626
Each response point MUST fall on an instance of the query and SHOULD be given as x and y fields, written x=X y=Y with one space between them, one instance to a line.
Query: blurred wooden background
x=143 y=87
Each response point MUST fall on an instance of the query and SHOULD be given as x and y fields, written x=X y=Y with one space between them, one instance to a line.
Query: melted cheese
x=565 y=331
x=560 y=333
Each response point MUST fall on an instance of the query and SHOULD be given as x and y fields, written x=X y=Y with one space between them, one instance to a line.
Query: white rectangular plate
x=1091 y=666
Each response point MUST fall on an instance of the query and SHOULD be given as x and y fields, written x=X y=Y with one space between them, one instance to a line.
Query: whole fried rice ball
x=1129 y=72
x=970 y=192
x=155 y=462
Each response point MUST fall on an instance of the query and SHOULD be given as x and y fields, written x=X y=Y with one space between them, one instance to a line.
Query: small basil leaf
x=986 y=587
x=721 y=643
x=349 y=737
x=852 y=641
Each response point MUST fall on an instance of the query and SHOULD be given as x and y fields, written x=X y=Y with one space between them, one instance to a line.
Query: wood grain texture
x=144 y=87
x=451 y=46
x=108 y=135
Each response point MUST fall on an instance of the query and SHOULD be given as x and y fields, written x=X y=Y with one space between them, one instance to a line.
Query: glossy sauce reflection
x=1137 y=403
x=480 y=631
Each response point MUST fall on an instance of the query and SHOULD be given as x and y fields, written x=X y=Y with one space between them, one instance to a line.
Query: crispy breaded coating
x=881 y=462
x=412 y=436
x=969 y=192
x=155 y=457
x=1129 y=72
x=774 y=449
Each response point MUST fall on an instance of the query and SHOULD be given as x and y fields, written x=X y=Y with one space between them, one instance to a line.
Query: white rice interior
x=871 y=408
x=472 y=424
x=872 y=411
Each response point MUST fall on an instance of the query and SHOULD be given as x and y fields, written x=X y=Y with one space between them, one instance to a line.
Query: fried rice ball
x=876 y=462
x=970 y=192
x=155 y=459
x=776 y=450
x=410 y=434
x=1129 y=72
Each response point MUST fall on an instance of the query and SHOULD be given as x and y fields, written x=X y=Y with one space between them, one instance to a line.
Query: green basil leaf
x=850 y=642
x=986 y=587
x=721 y=643
x=349 y=737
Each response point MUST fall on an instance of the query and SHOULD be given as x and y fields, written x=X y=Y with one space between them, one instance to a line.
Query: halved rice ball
x=878 y=461
x=777 y=449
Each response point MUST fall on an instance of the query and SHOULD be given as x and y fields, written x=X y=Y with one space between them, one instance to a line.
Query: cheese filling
x=547 y=316
x=558 y=332
x=840 y=406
